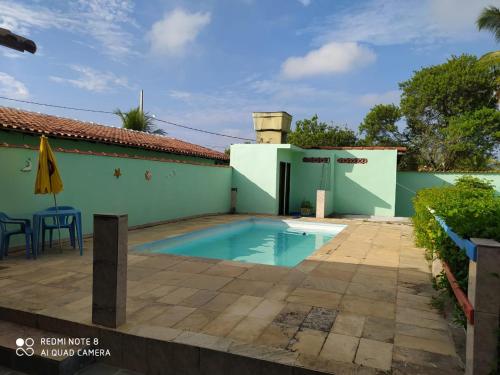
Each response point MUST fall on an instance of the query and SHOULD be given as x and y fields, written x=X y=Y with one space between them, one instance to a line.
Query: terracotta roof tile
x=398 y=148
x=60 y=127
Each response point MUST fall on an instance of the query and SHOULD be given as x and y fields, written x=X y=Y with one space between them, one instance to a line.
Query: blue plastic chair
x=24 y=227
x=65 y=222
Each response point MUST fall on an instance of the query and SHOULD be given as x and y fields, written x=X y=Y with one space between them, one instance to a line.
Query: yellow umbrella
x=48 y=179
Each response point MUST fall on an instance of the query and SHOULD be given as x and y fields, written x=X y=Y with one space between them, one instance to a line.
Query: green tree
x=473 y=139
x=135 y=119
x=379 y=126
x=491 y=61
x=313 y=133
x=489 y=19
x=437 y=94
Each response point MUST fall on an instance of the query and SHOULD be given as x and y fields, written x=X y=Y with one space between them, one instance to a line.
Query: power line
x=200 y=130
x=56 y=106
x=213 y=146
x=112 y=113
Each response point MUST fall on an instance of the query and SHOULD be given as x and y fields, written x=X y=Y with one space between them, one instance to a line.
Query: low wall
x=365 y=189
x=175 y=190
x=408 y=183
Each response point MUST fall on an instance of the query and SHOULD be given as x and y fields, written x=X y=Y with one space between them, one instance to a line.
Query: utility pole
x=141 y=101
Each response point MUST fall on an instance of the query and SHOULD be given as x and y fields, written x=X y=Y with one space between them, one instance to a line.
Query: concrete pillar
x=109 y=289
x=234 y=194
x=320 y=204
x=484 y=295
x=436 y=267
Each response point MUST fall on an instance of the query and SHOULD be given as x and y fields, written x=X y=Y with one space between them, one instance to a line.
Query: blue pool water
x=264 y=241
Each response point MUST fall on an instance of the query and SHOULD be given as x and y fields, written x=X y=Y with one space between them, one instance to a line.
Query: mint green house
x=277 y=178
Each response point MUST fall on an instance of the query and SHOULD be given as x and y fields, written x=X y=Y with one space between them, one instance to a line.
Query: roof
x=60 y=127
x=397 y=148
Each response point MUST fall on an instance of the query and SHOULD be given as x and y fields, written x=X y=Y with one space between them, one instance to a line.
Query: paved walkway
x=361 y=303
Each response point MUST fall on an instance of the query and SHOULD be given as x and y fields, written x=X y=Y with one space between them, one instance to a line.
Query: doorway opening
x=284 y=189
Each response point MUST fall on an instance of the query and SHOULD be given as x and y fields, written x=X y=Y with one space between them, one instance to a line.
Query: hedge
x=471 y=208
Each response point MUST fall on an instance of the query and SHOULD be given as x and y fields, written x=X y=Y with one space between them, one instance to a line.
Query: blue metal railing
x=464 y=244
x=471 y=251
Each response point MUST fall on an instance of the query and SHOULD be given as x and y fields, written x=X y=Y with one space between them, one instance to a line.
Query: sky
x=209 y=64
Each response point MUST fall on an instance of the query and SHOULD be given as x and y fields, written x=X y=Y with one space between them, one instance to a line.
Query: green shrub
x=470 y=207
x=474 y=183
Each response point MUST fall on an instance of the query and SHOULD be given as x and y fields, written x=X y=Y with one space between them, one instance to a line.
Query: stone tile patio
x=361 y=303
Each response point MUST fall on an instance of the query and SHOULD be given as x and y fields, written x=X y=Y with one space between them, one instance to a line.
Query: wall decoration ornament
x=352 y=160
x=148 y=175
x=27 y=166
x=316 y=160
x=117 y=173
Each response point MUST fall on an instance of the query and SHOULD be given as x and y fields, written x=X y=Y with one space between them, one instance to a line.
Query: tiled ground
x=361 y=302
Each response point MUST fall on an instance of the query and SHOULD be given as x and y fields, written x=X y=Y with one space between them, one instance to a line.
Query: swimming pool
x=255 y=240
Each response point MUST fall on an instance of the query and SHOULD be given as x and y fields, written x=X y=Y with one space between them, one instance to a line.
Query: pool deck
x=359 y=304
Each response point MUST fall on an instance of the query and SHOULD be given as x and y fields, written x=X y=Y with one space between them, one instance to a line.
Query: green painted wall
x=17 y=138
x=176 y=190
x=408 y=183
x=307 y=178
x=365 y=189
x=368 y=189
x=255 y=176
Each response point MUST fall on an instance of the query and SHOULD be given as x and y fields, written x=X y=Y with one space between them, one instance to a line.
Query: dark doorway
x=284 y=192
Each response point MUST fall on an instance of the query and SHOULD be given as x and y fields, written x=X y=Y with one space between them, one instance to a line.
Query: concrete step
x=29 y=350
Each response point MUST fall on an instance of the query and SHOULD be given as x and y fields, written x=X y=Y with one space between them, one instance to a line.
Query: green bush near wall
x=409 y=183
x=471 y=208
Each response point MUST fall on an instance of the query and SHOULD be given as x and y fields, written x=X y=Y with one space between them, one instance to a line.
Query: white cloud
x=105 y=21
x=278 y=90
x=329 y=59
x=389 y=22
x=455 y=18
x=12 y=54
x=93 y=80
x=11 y=87
x=178 y=94
x=101 y=20
x=229 y=108
x=176 y=30
x=389 y=97
x=22 y=19
x=305 y=2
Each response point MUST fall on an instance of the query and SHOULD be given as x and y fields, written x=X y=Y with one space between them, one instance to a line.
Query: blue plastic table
x=37 y=225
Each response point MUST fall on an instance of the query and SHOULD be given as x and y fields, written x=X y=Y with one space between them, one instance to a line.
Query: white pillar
x=320 y=204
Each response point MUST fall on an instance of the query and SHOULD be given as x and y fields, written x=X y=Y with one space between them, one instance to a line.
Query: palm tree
x=135 y=119
x=489 y=19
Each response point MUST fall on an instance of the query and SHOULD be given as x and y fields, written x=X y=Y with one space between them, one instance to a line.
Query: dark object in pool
x=304 y=233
